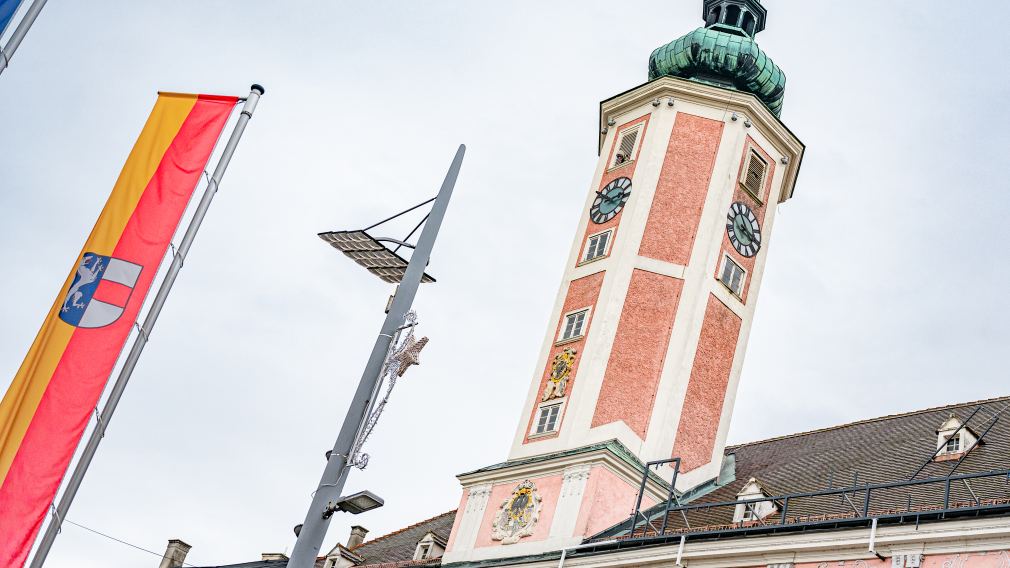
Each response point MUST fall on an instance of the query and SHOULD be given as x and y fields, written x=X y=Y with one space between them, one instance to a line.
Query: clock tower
x=644 y=346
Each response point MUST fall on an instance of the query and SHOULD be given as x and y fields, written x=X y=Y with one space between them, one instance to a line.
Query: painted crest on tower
x=518 y=515
x=561 y=370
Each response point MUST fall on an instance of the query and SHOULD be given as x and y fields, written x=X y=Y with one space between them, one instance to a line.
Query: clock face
x=743 y=229
x=610 y=200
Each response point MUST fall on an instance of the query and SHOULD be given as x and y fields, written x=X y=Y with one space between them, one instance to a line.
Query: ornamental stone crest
x=561 y=369
x=518 y=514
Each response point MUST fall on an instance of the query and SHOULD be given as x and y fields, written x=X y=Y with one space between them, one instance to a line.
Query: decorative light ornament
x=403 y=352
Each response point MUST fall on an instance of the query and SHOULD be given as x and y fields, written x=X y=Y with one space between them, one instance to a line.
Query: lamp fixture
x=735 y=117
x=611 y=122
x=669 y=102
x=655 y=103
x=747 y=123
x=354 y=504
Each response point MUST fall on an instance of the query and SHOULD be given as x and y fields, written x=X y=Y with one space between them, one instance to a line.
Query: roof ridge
x=404 y=529
x=868 y=421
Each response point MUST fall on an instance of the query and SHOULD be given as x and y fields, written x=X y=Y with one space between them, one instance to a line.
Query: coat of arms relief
x=561 y=370
x=518 y=514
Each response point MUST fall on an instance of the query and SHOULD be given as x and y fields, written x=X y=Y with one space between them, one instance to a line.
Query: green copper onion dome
x=724 y=53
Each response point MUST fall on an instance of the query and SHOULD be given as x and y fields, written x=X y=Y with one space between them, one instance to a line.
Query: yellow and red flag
x=47 y=407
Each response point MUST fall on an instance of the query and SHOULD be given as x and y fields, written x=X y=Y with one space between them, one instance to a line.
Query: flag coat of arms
x=50 y=401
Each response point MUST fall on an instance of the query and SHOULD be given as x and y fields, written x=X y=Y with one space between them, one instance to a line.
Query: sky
x=884 y=290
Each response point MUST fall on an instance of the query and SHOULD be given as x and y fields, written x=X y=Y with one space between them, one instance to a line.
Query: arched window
x=713 y=17
x=748 y=23
x=733 y=16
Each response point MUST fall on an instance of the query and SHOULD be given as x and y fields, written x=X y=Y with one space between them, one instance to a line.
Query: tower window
x=597 y=246
x=547 y=419
x=733 y=16
x=754 y=176
x=626 y=147
x=575 y=324
x=732 y=276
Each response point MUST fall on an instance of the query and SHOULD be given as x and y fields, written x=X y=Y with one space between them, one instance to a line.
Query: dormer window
x=953 y=445
x=953 y=439
x=747 y=512
x=431 y=546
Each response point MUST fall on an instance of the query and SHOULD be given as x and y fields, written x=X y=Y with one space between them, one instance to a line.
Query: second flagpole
x=7 y=51
x=140 y=341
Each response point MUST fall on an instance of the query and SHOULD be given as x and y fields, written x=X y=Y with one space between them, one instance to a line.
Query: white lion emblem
x=87 y=272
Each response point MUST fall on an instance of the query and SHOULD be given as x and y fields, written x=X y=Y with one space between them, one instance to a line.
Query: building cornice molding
x=666 y=87
x=942 y=537
x=607 y=454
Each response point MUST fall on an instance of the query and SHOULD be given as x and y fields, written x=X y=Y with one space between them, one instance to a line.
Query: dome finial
x=740 y=17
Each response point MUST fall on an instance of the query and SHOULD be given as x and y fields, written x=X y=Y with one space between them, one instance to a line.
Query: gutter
x=564 y=551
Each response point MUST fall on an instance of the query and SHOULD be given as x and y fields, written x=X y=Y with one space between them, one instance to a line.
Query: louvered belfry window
x=627 y=146
x=755 y=176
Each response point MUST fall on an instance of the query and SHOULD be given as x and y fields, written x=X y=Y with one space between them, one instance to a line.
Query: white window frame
x=753 y=154
x=634 y=149
x=423 y=551
x=606 y=247
x=957 y=440
x=560 y=404
x=743 y=276
x=564 y=325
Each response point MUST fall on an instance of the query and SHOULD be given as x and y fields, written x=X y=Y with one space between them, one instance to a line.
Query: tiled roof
x=394 y=550
x=397 y=548
x=880 y=450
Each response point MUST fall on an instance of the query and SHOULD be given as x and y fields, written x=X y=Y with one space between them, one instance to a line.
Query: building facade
x=619 y=456
x=644 y=348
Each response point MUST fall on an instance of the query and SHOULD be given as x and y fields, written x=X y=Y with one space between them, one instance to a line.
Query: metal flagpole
x=310 y=538
x=19 y=33
x=145 y=331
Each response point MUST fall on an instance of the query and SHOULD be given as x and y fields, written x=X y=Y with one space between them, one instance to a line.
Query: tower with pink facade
x=642 y=355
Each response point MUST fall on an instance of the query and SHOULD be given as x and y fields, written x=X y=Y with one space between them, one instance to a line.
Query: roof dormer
x=954 y=439
x=430 y=546
x=747 y=512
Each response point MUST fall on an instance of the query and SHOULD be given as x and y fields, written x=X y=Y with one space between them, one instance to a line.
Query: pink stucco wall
x=636 y=361
x=739 y=194
x=549 y=489
x=683 y=184
x=459 y=517
x=625 y=170
x=706 y=389
x=582 y=293
x=607 y=501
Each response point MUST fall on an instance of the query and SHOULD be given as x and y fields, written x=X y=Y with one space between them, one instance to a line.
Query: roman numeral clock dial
x=743 y=229
x=610 y=200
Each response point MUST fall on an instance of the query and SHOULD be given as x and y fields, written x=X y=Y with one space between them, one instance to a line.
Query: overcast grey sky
x=885 y=289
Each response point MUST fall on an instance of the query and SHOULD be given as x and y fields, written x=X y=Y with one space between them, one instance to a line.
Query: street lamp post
x=326 y=498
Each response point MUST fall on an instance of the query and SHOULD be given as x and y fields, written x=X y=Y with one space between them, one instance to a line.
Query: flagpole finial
x=258 y=88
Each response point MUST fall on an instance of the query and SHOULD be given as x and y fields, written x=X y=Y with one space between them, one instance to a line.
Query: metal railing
x=901 y=501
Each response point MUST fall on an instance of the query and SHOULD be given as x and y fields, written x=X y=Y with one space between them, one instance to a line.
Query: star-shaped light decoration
x=408 y=356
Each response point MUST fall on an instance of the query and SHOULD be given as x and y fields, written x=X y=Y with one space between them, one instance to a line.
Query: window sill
x=592 y=260
x=532 y=437
x=619 y=166
x=730 y=290
x=570 y=340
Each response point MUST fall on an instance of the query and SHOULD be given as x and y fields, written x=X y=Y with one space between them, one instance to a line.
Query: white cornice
x=945 y=537
x=539 y=468
x=732 y=101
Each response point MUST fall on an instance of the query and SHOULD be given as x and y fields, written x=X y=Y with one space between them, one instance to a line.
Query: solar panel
x=363 y=249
